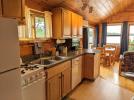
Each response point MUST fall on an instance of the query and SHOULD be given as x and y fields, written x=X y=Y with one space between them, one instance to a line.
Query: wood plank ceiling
x=101 y=8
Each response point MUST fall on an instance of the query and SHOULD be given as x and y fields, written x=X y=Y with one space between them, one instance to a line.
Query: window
x=91 y=36
x=39 y=27
x=131 y=38
x=113 y=34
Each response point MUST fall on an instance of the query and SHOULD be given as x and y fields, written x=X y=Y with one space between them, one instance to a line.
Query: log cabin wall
x=126 y=15
x=27 y=47
x=34 y=5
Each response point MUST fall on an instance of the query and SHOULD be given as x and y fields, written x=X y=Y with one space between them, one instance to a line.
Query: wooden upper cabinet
x=80 y=24
x=66 y=23
x=61 y=23
x=74 y=21
x=48 y=23
x=12 y=8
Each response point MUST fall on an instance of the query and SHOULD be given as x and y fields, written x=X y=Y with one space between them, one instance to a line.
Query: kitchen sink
x=57 y=58
x=49 y=61
x=43 y=61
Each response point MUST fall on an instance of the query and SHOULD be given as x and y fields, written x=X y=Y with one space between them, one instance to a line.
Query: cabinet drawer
x=58 y=69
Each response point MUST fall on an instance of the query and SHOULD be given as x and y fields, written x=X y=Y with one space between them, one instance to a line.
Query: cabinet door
x=54 y=88
x=74 y=27
x=80 y=24
x=48 y=22
x=66 y=81
x=66 y=23
x=88 y=66
x=12 y=8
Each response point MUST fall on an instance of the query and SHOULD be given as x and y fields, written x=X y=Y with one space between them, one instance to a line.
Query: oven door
x=35 y=91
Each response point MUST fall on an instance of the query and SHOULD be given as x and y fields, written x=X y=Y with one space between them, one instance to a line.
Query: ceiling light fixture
x=86 y=5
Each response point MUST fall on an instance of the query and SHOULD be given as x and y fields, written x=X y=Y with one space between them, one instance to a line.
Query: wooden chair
x=110 y=51
x=102 y=54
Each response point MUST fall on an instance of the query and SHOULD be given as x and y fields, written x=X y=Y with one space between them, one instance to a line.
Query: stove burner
x=22 y=72
x=28 y=67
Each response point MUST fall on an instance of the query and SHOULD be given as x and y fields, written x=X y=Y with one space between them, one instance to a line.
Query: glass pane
x=39 y=27
x=91 y=33
x=131 y=29
x=114 y=29
x=131 y=38
x=113 y=39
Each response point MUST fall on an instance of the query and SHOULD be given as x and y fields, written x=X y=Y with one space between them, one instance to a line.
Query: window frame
x=33 y=14
x=114 y=24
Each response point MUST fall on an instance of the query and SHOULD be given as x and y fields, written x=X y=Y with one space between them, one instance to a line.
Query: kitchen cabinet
x=91 y=66
x=80 y=26
x=66 y=81
x=61 y=23
x=74 y=24
x=59 y=81
x=48 y=23
x=76 y=71
x=12 y=8
x=66 y=24
x=54 y=88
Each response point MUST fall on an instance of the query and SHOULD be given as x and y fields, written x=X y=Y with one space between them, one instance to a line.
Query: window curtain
x=96 y=38
x=124 y=38
x=104 y=34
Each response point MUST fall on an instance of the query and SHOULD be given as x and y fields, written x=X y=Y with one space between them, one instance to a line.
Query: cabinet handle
x=60 y=87
x=62 y=84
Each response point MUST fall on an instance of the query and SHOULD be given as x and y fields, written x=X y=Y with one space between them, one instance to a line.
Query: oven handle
x=43 y=78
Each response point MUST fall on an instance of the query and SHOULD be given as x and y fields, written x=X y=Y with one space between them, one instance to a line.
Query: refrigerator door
x=9 y=45
x=10 y=85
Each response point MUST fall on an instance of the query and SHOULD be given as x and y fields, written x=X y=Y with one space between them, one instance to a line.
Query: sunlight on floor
x=111 y=73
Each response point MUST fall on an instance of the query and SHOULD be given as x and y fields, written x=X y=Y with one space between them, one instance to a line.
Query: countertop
x=72 y=55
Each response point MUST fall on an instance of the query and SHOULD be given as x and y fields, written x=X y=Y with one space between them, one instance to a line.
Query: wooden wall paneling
x=0 y=8
x=34 y=5
x=26 y=49
x=101 y=8
x=126 y=15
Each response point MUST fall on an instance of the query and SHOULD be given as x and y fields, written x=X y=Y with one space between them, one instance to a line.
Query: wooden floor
x=111 y=74
x=100 y=90
x=109 y=86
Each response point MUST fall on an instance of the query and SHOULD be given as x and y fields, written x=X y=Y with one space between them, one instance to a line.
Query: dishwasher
x=34 y=86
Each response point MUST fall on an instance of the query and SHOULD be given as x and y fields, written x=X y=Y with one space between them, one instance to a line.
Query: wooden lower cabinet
x=66 y=82
x=91 y=66
x=59 y=82
x=54 y=88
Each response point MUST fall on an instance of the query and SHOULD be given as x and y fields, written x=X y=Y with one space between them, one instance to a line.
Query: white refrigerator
x=10 y=76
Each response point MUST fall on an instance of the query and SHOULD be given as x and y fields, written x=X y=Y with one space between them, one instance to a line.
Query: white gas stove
x=33 y=82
